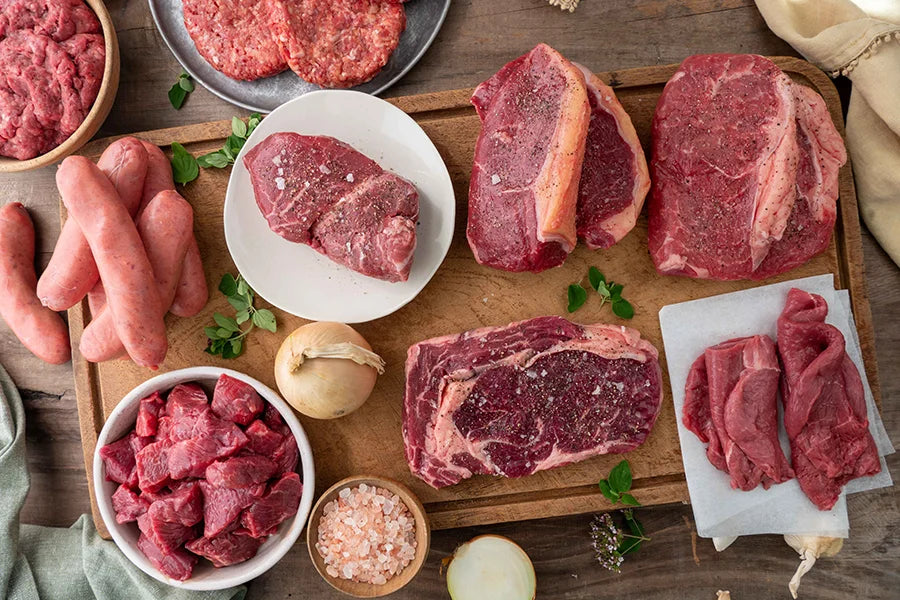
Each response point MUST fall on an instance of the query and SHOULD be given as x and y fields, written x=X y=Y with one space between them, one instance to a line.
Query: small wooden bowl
x=99 y=111
x=423 y=538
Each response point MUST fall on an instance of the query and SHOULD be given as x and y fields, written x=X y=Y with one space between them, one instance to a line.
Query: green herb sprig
x=184 y=165
x=618 y=484
x=184 y=85
x=240 y=131
x=226 y=338
x=609 y=291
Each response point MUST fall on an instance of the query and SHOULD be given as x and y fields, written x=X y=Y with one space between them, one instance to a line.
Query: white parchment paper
x=688 y=329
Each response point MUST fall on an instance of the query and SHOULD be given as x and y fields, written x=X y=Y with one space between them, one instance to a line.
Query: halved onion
x=491 y=566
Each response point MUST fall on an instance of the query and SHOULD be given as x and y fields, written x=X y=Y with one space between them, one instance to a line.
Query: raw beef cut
x=319 y=191
x=524 y=186
x=824 y=405
x=614 y=177
x=730 y=403
x=526 y=397
x=724 y=164
x=822 y=155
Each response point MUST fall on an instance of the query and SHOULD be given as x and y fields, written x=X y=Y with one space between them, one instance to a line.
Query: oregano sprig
x=611 y=543
x=617 y=485
x=609 y=291
x=226 y=338
x=184 y=85
x=240 y=131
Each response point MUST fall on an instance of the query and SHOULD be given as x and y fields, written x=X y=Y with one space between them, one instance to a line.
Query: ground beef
x=336 y=43
x=51 y=68
x=233 y=37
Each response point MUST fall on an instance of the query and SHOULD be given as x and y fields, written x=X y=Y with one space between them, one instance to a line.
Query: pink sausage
x=38 y=328
x=131 y=291
x=192 y=294
x=166 y=228
x=72 y=272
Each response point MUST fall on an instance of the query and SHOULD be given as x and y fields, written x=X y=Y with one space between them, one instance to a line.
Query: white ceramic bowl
x=296 y=278
x=205 y=576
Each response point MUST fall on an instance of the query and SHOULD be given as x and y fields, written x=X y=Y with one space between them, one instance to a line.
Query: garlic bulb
x=810 y=548
x=326 y=370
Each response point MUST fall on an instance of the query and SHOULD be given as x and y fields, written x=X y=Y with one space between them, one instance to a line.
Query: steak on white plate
x=526 y=397
x=319 y=191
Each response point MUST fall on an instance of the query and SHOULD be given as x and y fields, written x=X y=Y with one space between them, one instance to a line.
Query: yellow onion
x=490 y=566
x=326 y=370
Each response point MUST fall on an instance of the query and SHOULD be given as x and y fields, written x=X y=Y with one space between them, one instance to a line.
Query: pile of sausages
x=128 y=245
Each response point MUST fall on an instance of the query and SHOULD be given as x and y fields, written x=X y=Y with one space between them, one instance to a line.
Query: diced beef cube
x=186 y=400
x=177 y=564
x=214 y=438
x=148 y=415
x=223 y=506
x=279 y=503
x=138 y=442
x=119 y=460
x=165 y=535
x=163 y=428
x=236 y=401
x=262 y=439
x=153 y=466
x=286 y=456
x=184 y=506
x=227 y=548
x=274 y=421
x=240 y=471
x=128 y=505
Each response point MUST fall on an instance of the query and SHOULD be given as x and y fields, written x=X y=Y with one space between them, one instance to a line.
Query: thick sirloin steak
x=526 y=397
x=319 y=191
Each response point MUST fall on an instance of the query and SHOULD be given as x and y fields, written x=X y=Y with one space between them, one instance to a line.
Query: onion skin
x=323 y=388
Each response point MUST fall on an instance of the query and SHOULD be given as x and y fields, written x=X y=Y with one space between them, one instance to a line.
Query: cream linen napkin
x=860 y=40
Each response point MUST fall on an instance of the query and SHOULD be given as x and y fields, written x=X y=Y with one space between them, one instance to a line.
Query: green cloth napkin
x=50 y=562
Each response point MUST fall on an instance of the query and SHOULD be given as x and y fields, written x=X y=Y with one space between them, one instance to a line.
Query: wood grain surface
x=478 y=37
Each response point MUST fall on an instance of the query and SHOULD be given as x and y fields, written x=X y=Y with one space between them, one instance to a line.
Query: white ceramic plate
x=296 y=278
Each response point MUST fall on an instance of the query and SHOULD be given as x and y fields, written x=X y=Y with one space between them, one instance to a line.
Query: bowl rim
x=221 y=579
x=416 y=508
x=106 y=95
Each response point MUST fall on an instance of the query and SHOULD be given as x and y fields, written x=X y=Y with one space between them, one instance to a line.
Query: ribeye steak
x=526 y=397
x=524 y=186
x=319 y=191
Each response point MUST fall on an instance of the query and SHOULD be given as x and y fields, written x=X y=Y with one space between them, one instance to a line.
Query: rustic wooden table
x=477 y=38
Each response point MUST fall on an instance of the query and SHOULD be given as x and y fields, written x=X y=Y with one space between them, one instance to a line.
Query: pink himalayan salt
x=367 y=535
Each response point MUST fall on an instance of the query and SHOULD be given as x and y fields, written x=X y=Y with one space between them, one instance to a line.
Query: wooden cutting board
x=464 y=295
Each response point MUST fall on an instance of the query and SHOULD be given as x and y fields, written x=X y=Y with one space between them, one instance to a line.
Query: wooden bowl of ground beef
x=59 y=72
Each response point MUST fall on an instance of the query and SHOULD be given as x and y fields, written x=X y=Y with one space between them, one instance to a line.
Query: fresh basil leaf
x=238 y=303
x=242 y=316
x=177 y=94
x=214 y=159
x=595 y=277
x=211 y=332
x=184 y=165
x=264 y=319
x=226 y=322
x=620 y=477
x=228 y=285
x=577 y=297
x=629 y=500
x=185 y=83
x=238 y=127
x=607 y=491
x=622 y=308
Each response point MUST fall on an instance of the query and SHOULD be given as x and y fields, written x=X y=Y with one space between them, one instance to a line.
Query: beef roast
x=731 y=404
x=825 y=411
x=529 y=396
x=319 y=191
x=614 y=177
x=524 y=186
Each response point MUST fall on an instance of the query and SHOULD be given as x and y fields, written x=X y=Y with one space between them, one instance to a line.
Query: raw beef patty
x=336 y=43
x=319 y=191
x=526 y=397
x=233 y=36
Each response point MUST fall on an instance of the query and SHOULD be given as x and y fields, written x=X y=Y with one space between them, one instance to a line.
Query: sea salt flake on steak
x=234 y=38
x=368 y=224
x=523 y=398
x=336 y=43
